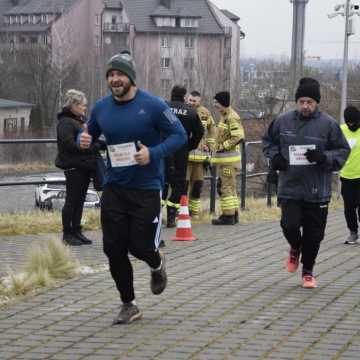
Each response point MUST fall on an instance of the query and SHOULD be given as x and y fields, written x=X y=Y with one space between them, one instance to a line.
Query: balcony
x=116 y=27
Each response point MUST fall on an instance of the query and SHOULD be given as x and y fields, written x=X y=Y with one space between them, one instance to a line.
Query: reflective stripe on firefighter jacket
x=229 y=134
x=199 y=155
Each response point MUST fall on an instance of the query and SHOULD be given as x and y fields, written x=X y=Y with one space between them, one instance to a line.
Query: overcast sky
x=268 y=28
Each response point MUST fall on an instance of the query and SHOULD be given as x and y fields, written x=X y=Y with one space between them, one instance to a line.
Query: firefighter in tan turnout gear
x=199 y=159
x=227 y=156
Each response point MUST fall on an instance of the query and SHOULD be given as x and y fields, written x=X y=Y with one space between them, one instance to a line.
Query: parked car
x=44 y=192
x=57 y=202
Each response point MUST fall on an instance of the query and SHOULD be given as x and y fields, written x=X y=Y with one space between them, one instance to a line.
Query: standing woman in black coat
x=79 y=165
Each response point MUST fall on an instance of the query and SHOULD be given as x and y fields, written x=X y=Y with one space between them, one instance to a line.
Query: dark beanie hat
x=223 y=98
x=351 y=114
x=308 y=87
x=124 y=63
x=178 y=92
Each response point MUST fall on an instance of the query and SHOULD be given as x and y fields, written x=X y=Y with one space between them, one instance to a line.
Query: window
x=189 y=63
x=22 y=39
x=189 y=42
x=188 y=84
x=165 y=21
x=164 y=41
x=165 y=62
x=22 y=122
x=97 y=19
x=33 y=39
x=165 y=86
x=113 y=19
x=10 y=124
x=189 y=23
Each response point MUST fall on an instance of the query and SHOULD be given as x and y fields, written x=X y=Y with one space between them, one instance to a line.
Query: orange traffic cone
x=183 y=225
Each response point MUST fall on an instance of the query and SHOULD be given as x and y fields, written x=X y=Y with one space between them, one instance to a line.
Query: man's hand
x=205 y=148
x=85 y=138
x=278 y=162
x=315 y=156
x=142 y=157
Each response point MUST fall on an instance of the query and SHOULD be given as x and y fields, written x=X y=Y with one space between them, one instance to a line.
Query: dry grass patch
x=257 y=210
x=36 y=222
x=45 y=264
x=28 y=167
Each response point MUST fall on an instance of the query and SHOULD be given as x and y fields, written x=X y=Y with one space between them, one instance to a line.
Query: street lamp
x=298 y=34
x=347 y=10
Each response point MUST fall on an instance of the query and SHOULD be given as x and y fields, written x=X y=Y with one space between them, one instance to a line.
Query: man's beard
x=120 y=91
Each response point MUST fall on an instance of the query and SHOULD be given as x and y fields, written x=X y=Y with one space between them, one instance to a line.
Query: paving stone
x=227 y=299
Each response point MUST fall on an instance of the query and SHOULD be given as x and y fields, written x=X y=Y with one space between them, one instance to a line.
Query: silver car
x=57 y=202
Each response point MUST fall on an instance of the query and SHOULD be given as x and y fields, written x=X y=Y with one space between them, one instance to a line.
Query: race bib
x=297 y=154
x=122 y=154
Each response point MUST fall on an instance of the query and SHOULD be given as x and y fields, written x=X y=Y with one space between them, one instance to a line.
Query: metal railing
x=243 y=174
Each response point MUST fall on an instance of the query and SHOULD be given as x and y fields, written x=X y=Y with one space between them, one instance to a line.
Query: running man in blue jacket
x=140 y=131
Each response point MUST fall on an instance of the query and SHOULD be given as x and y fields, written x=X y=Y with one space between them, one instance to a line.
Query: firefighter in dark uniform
x=175 y=166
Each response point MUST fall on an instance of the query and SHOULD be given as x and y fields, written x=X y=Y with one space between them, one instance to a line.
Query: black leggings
x=350 y=191
x=77 y=183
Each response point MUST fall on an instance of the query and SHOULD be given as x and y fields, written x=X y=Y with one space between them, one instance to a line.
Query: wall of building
x=19 y=124
x=235 y=48
x=205 y=73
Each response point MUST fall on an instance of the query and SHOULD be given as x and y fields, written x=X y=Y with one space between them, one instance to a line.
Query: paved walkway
x=229 y=297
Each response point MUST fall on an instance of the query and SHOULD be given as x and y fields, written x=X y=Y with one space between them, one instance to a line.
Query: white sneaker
x=352 y=239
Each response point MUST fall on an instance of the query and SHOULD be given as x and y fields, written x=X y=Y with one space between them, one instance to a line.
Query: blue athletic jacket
x=147 y=119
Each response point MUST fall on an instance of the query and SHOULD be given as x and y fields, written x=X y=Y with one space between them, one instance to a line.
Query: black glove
x=316 y=156
x=272 y=177
x=207 y=164
x=278 y=162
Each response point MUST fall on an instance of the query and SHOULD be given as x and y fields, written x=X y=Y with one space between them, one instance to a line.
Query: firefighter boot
x=171 y=217
x=224 y=220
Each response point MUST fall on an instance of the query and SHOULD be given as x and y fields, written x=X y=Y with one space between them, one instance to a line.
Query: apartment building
x=191 y=42
x=173 y=41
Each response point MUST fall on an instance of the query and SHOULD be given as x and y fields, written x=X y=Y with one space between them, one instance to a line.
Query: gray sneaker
x=159 y=278
x=128 y=313
x=352 y=239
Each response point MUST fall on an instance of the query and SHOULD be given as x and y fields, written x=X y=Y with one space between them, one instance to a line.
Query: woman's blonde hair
x=74 y=97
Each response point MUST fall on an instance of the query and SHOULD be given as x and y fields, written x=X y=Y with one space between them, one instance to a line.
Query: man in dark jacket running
x=305 y=146
x=176 y=164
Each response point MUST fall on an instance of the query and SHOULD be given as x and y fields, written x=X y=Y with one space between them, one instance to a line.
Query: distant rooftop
x=41 y=7
x=141 y=14
x=230 y=15
x=7 y=104
x=113 y=4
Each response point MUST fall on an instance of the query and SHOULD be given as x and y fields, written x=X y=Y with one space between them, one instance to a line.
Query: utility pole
x=347 y=10
x=298 y=35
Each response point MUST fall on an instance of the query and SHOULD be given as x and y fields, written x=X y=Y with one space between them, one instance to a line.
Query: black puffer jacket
x=69 y=154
